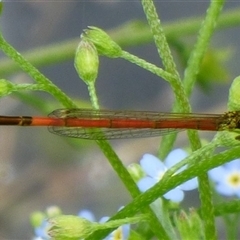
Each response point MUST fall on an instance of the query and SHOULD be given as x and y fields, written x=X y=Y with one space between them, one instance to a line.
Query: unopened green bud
x=53 y=211
x=212 y=68
x=86 y=61
x=234 y=95
x=183 y=224
x=6 y=87
x=189 y=225
x=197 y=225
x=136 y=171
x=37 y=218
x=103 y=42
x=68 y=227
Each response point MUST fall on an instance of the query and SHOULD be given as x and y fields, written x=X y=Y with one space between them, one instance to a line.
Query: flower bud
x=136 y=171
x=66 y=227
x=37 y=218
x=197 y=225
x=189 y=225
x=86 y=61
x=53 y=211
x=103 y=42
x=212 y=68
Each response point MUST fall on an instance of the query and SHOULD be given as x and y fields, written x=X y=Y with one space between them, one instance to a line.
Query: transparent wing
x=95 y=131
x=110 y=133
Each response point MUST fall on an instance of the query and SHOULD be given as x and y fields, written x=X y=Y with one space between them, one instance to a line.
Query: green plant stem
x=43 y=82
x=148 y=66
x=159 y=38
x=119 y=222
x=123 y=173
x=127 y=180
x=176 y=84
x=205 y=33
x=165 y=54
x=93 y=95
x=171 y=182
x=232 y=225
x=181 y=99
x=230 y=207
x=200 y=48
x=39 y=78
x=196 y=57
x=140 y=34
x=207 y=208
x=108 y=151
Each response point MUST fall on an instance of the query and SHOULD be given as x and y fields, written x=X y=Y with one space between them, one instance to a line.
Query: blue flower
x=87 y=215
x=41 y=231
x=155 y=169
x=227 y=178
x=121 y=233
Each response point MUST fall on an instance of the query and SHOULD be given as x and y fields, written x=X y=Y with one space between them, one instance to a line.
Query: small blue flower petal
x=145 y=183
x=175 y=195
x=152 y=165
x=42 y=230
x=189 y=185
x=233 y=165
x=216 y=174
x=104 y=219
x=126 y=231
x=237 y=192
x=175 y=157
x=224 y=189
x=87 y=215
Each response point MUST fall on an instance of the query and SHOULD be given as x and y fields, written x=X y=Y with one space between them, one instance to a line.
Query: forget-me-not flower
x=41 y=232
x=155 y=169
x=227 y=178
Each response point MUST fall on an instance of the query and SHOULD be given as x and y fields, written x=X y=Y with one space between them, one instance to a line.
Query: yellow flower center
x=117 y=234
x=234 y=179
